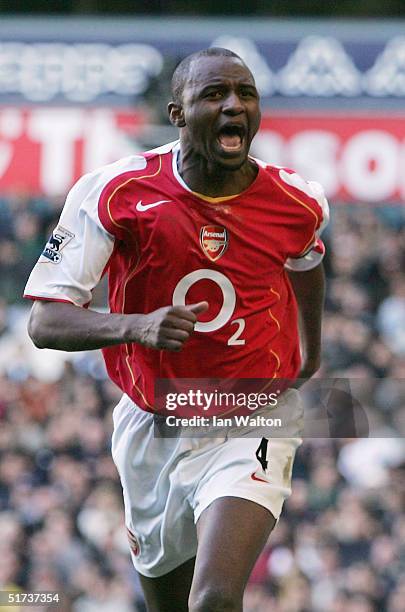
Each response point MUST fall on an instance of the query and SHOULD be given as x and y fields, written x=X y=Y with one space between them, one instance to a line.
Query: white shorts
x=168 y=482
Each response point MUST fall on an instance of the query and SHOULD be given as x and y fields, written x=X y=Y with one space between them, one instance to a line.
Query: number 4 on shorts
x=261 y=454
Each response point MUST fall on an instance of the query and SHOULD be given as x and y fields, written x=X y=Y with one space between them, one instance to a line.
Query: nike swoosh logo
x=142 y=207
x=254 y=477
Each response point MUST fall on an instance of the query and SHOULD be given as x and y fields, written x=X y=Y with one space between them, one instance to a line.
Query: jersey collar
x=176 y=173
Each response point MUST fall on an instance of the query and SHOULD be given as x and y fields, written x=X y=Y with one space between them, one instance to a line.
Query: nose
x=232 y=104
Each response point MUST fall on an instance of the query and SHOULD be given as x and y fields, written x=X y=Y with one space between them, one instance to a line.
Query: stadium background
x=79 y=91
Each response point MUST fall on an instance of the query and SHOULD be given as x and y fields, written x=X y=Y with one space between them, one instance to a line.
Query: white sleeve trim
x=303 y=264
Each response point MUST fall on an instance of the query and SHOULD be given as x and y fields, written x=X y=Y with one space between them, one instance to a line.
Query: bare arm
x=67 y=327
x=309 y=289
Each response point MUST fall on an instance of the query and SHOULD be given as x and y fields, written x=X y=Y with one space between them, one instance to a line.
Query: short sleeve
x=316 y=250
x=77 y=252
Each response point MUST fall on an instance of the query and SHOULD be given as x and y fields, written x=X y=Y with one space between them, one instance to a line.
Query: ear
x=176 y=114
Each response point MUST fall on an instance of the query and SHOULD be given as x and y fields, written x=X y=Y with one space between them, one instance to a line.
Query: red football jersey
x=163 y=244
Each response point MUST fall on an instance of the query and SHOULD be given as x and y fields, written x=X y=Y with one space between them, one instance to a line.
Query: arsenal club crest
x=214 y=241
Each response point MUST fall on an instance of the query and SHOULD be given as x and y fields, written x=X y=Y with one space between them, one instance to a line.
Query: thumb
x=197 y=308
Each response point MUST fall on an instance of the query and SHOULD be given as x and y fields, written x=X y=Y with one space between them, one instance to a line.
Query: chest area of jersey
x=224 y=236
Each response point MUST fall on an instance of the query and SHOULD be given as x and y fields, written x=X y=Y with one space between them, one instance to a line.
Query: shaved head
x=182 y=71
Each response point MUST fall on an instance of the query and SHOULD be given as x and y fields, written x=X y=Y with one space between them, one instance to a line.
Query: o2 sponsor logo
x=224 y=316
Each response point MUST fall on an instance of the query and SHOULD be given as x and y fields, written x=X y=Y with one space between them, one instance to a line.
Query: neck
x=211 y=179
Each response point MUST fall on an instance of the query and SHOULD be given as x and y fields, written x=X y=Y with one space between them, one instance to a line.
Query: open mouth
x=231 y=138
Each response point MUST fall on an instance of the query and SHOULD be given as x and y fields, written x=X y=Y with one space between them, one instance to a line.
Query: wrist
x=133 y=326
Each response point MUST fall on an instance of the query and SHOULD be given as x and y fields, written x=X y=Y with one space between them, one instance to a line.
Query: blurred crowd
x=340 y=544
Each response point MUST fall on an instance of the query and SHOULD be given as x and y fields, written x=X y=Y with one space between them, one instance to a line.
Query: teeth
x=230 y=142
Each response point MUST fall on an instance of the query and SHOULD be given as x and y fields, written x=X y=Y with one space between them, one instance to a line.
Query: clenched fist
x=168 y=328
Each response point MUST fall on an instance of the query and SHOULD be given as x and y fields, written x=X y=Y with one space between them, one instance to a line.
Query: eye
x=214 y=94
x=248 y=93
